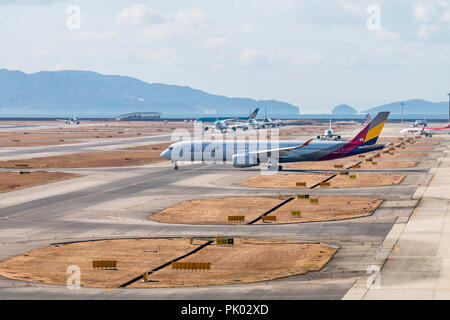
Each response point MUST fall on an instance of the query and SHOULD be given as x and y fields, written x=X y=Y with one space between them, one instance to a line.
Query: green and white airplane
x=249 y=153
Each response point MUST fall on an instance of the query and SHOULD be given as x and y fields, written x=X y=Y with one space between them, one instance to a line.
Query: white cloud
x=215 y=42
x=445 y=17
x=249 y=56
x=351 y=8
x=47 y=53
x=384 y=51
x=92 y=35
x=247 y=27
x=183 y=22
x=168 y=56
x=385 y=34
x=190 y=18
x=425 y=30
x=137 y=14
x=424 y=12
x=315 y=58
x=157 y=32
x=420 y=13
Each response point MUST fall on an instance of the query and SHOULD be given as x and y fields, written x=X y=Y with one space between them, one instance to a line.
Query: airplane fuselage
x=223 y=150
x=443 y=130
x=425 y=131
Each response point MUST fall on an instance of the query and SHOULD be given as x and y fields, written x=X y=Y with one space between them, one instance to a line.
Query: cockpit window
x=170 y=148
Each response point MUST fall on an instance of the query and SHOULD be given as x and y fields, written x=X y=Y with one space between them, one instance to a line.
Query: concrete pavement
x=418 y=266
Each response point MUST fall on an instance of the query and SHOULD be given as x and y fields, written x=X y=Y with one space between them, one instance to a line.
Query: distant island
x=413 y=106
x=344 y=109
x=91 y=94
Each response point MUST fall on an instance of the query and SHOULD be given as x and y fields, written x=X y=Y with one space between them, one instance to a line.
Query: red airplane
x=428 y=132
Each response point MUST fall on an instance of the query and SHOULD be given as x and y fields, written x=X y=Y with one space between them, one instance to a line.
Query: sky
x=313 y=54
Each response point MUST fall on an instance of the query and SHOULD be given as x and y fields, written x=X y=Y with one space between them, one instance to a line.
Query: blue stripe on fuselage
x=370 y=142
x=359 y=150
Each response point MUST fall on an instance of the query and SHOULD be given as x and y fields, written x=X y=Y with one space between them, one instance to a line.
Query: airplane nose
x=165 y=154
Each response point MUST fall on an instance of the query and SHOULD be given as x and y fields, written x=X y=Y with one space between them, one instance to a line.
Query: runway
x=116 y=202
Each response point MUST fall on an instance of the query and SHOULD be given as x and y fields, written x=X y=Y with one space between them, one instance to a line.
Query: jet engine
x=245 y=160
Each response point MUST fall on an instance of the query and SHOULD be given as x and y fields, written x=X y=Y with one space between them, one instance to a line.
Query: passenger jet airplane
x=329 y=135
x=73 y=120
x=251 y=153
x=427 y=132
x=223 y=124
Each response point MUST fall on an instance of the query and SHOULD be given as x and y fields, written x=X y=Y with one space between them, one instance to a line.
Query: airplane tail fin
x=254 y=113
x=369 y=135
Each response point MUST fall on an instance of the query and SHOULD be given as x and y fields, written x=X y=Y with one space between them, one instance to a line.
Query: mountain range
x=414 y=106
x=91 y=94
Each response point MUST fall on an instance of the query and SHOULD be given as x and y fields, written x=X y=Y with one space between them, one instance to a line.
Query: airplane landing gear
x=175 y=166
x=274 y=165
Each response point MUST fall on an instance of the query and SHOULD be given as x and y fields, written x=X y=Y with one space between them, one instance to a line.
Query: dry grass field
x=330 y=165
x=328 y=208
x=288 y=181
x=64 y=134
x=133 y=257
x=398 y=154
x=88 y=160
x=247 y=261
x=216 y=210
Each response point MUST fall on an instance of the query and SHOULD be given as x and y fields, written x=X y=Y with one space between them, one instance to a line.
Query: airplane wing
x=229 y=120
x=282 y=151
x=241 y=125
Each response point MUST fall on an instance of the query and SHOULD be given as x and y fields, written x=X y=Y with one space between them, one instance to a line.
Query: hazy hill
x=344 y=109
x=415 y=106
x=62 y=93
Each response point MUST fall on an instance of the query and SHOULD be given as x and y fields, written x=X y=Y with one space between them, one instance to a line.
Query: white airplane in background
x=223 y=124
x=73 y=120
x=255 y=124
x=329 y=135
x=427 y=132
x=267 y=122
x=418 y=123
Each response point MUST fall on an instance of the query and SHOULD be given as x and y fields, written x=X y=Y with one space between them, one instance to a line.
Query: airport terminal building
x=139 y=116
